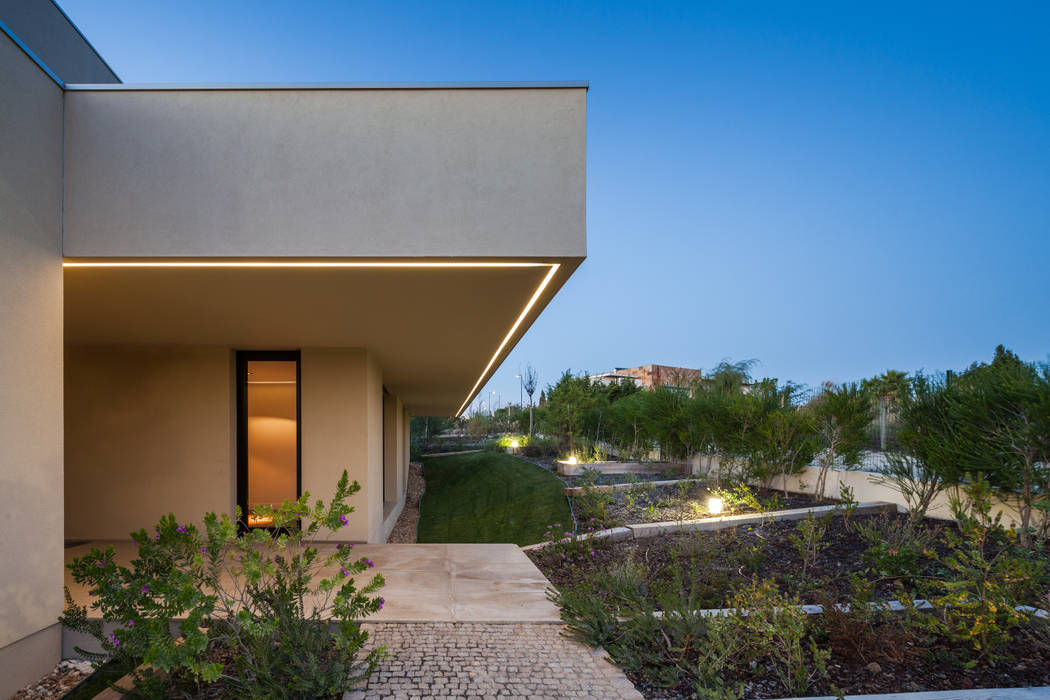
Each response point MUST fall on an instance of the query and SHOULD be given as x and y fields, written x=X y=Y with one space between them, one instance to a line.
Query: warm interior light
x=571 y=459
x=714 y=505
x=514 y=444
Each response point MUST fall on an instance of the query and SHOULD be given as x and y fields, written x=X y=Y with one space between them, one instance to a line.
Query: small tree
x=628 y=425
x=569 y=403
x=786 y=442
x=528 y=382
x=841 y=416
x=927 y=459
x=1003 y=408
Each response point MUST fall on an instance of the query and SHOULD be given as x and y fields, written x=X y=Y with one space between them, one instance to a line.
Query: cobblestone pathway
x=453 y=660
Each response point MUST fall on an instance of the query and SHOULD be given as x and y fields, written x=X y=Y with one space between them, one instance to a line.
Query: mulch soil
x=890 y=658
x=686 y=500
x=719 y=562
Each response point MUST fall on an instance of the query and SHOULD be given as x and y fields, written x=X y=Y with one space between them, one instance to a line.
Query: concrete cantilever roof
x=429 y=224
x=494 y=85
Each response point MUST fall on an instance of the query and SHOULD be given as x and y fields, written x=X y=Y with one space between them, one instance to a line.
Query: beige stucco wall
x=342 y=414
x=355 y=173
x=31 y=358
x=148 y=432
x=151 y=431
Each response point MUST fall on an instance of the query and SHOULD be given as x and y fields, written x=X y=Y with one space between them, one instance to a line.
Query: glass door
x=268 y=432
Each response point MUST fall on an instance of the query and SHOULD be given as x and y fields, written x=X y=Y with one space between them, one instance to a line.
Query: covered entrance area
x=195 y=386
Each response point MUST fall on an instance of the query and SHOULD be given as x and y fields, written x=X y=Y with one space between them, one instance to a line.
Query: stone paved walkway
x=453 y=660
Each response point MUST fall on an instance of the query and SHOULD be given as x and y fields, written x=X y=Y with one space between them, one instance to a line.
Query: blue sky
x=833 y=189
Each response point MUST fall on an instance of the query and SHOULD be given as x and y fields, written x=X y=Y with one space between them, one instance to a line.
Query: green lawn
x=489 y=497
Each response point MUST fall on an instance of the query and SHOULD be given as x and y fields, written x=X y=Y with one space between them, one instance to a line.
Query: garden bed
x=683 y=500
x=608 y=590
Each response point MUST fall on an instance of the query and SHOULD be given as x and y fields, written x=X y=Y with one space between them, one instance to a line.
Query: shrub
x=985 y=579
x=264 y=596
x=808 y=540
x=841 y=417
x=895 y=547
x=776 y=629
x=539 y=447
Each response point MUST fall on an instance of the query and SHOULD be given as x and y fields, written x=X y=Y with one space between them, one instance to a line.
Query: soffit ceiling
x=432 y=330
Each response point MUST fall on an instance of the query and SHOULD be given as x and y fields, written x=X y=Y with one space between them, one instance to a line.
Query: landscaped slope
x=489 y=497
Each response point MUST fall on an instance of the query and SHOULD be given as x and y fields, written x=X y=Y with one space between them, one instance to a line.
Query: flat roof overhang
x=437 y=328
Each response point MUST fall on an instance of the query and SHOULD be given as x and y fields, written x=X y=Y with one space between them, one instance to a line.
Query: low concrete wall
x=865 y=488
x=642 y=530
x=573 y=490
x=567 y=469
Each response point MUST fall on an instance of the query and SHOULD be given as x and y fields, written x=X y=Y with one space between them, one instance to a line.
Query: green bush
x=265 y=597
x=986 y=577
x=539 y=447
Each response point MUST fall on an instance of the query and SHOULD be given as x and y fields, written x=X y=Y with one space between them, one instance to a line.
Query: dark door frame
x=243 y=357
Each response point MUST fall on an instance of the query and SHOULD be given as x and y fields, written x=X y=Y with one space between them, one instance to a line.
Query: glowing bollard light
x=571 y=459
x=714 y=505
x=514 y=444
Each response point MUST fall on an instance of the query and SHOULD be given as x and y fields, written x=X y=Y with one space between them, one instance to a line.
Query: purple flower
x=131 y=623
x=369 y=562
x=381 y=602
x=204 y=550
x=157 y=536
x=91 y=592
x=344 y=572
x=343 y=520
x=98 y=563
x=144 y=589
x=181 y=528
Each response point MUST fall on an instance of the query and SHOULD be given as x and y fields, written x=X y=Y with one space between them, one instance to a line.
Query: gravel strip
x=404 y=531
x=57 y=683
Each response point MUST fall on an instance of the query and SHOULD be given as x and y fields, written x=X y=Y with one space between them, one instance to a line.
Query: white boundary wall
x=864 y=488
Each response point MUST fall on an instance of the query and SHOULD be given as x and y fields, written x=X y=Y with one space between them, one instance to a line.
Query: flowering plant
x=285 y=614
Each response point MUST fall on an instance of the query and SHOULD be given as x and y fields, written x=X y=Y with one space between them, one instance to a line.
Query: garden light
x=714 y=505
x=571 y=459
x=514 y=444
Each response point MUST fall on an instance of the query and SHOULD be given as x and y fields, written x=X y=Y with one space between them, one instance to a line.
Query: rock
x=873 y=668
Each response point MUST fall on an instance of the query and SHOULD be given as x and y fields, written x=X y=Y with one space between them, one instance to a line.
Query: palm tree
x=889 y=389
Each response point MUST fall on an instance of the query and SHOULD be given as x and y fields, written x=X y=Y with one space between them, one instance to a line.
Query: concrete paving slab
x=425 y=582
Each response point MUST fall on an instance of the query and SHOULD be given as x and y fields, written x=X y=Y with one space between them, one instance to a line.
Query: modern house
x=214 y=295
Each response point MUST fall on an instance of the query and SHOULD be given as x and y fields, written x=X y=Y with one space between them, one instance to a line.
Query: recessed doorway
x=268 y=432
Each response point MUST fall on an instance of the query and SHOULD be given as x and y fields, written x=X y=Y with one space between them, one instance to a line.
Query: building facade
x=223 y=295
x=651 y=376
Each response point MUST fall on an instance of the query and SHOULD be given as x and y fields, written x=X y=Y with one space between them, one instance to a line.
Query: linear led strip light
x=347 y=263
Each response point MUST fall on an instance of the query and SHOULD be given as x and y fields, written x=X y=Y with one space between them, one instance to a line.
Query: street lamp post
x=521 y=391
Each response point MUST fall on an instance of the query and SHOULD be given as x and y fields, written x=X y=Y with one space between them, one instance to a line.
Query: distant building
x=650 y=376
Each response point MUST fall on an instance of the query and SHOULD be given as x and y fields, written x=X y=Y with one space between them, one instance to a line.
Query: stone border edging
x=641 y=530
x=1037 y=693
x=450 y=454
x=573 y=490
x=891 y=606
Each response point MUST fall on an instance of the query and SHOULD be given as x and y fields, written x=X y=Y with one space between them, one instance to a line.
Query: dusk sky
x=834 y=190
